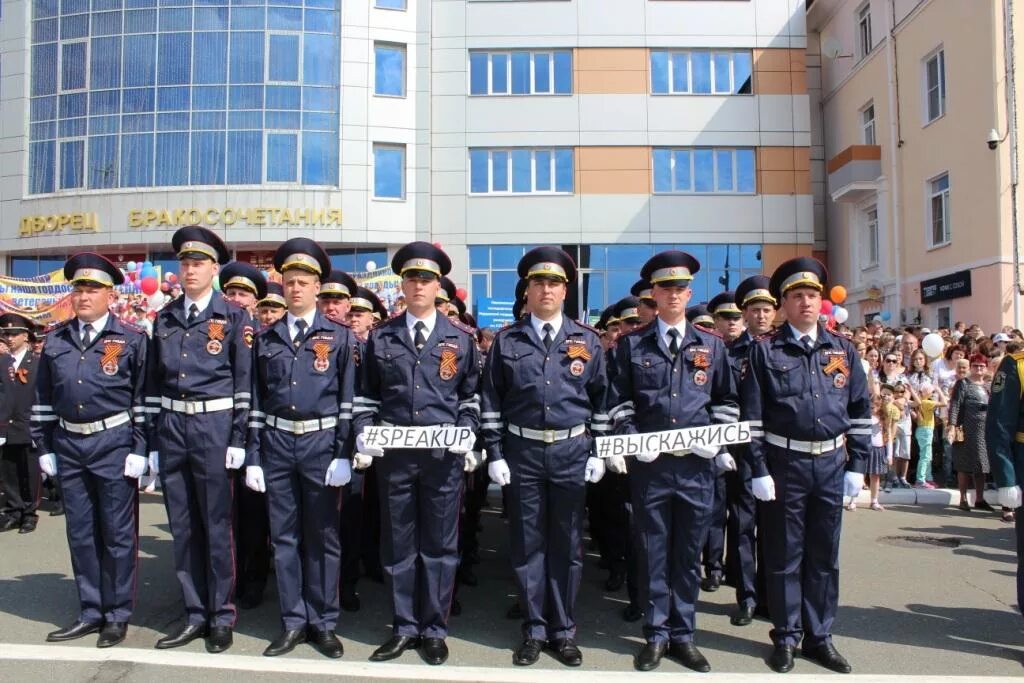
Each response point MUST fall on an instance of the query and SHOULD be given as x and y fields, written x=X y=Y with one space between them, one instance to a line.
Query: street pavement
x=926 y=590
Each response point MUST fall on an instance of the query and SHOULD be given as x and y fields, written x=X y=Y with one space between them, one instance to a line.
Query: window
x=935 y=86
x=389 y=171
x=389 y=4
x=521 y=171
x=864 y=43
x=704 y=170
x=389 y=69
x=944 y=317
x=940 y=232
x=867 y=122
x=701 y=72
x=870 y=250
x=520 y=72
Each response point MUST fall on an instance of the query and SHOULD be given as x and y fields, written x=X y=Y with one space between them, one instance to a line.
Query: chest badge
x=700 y=378
x=215 y=333
x=23 y=375
x=111 y=354
x=837 y=364
x=577 y=350
x=10 y=372
x=576 y=368
x=701 y=360
x=321 y=351
x=839 y=380
x=449 y=365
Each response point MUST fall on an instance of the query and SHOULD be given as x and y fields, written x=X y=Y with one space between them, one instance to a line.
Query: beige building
x=916 y=195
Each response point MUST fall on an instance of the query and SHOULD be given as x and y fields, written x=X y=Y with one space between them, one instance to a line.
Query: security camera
x=993 y=139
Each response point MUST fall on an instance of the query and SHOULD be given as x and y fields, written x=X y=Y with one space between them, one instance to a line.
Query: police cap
x=724 y=304
x=92 y=269
x=754 y=289
x=304 y=254
x=244 y=276
x=421 y=259
x=338 y=285
x=802 y=271
x=627 y=309
x=643 y=291
x=194 y=241
x=698 y=315
x=547 y=262
x=274 y=296
x=671 y=268
x=446 y=292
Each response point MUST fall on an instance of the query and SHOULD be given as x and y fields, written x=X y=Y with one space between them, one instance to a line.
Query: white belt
x=302 y=426
x=97 y=426
x=547 y=435
x=812 y=447
x=196 y=407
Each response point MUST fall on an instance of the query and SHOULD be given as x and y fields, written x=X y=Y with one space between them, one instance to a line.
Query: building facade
x=920 y=204
x=612 y=127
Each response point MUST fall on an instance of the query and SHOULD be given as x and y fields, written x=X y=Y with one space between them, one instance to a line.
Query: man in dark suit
x=19 y=470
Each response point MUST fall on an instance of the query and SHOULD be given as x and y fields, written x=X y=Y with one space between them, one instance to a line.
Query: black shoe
x=220 y=639
x=828 y=656
x=965 y=506
x=711 y=583
x=514 y=612
x=76 y=630
x=186 y=635
x=28 y=525
x=456 y=609
x=632 y=613
x=112 y=633
x=528 y=653
x=615 y=580
x=649 y=656
x=9 y=522
x=326 y=642
x=349 y=599
x=781 y=660
x=689 y=656
x=566 y=651
x=983 y=505
x=467 y=576
x=285 y=642
x=394 y=648
x=434 y=651
x=743 y=617
x=252 y=596
x=58 y=510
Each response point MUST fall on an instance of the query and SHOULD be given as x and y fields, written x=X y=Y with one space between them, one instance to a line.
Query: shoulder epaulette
x=131 y=326
x=770 y=334
x=459 y=325
x=57 y=326
x=713 y=333
x=588 y=327
x=339 y=321
x=515 y=324
x=639 y=330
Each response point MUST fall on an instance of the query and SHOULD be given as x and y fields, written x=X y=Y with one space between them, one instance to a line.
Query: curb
x=941 y=497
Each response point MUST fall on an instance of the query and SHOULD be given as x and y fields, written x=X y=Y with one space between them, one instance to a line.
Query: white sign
x=433 y=437
x=673 y=440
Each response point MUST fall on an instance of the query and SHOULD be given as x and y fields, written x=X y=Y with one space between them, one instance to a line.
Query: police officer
x=745 y=559
x=671 y=375
x=803 y=388
x=335 y=294
x=445 y=299
x=299 y=446
x=648 y=306
x=89 y=427
x=698 y=315
x=271 y=307
x=1004 y=438
x=199 y=386
x=544 y=390
x=364 y=312
x=520 y=307
x=242 y=284
x=19 y=468
x=420 y=369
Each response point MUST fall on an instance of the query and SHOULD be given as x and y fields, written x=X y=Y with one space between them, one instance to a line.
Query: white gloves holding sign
x=647 y=457
x=471 y=460
x=594 y=471
x=706 y=452
x=1009 y=497
x=371 y=450
x=763 y=488
x=499 y=472
x=617 y=464
x=361 y=461
x=725 y=462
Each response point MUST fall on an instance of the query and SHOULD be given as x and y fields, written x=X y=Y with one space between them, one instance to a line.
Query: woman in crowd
x=967 y=409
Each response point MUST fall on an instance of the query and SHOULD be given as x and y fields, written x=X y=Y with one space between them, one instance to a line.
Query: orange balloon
x=838 y=294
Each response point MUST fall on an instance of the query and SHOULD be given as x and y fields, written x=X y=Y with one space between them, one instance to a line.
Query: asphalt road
x=937 y=601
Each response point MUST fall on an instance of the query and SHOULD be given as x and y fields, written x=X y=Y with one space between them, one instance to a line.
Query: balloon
x=838 y=294
x=885 y=315
x=826 y=307
x=437 y=244
x=147 y=264
x=131 y=266
x=148 y=271
x=165 y=286
x=371 y=265
x=932 y=345
x=167 y=276
x=156 y=300
x=149 y=285
x=172 y=278
x=841 y=314
x=461 y=293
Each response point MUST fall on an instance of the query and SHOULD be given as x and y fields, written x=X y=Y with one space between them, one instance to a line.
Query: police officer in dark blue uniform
x=544 y=390
x=805 y=399
x=199 y=386
x=242 y=284
x=299 y=447
x=671 y=375
x=20 y=482
x=648 y=306
x=335 y=295
x=420 y=369
x=271 y=307
x=445 y=299
x=699 y=316
x=89 y=425
x=744 y=559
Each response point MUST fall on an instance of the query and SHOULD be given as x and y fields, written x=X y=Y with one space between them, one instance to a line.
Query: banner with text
x=673 y=440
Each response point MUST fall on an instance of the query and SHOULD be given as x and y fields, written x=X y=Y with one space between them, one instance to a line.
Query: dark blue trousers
x=303 y=526
x=350 y=528
x=102 y=512
x=672 y=501
x=801 y=544
x=741 y=542
x=420 y=499
x=1019 y=527
x=198 y=494
x=714 y=548
x=545 y=514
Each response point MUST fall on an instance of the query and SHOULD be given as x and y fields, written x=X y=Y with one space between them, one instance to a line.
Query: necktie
x=419 y=339
x=300 y=331
x=808 y=344
x=549 y=336
x=673 y=346
x=193 y=313
x=86 y=334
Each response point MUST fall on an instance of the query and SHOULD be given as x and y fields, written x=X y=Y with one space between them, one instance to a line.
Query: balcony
x=853 y=174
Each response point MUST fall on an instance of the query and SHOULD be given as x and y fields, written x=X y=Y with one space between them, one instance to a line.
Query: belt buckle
x=817 y=447
x=190 y=407
x=86 y=428
x=298 y=427
x=549 y=435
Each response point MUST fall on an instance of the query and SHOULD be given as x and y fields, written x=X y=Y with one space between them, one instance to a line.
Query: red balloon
x=461 y=293
x=165 y=287
x=826 y=307
x=172 y=278
x=437 y=244
x=149 y=285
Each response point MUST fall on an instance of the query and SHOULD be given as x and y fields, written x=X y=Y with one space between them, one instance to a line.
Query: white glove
x=1009 y=497
x=763 y=488
x=134 y=466
x=499 y=472
x=254 y=479
x=361 y=461
x=339 y=472
x=460 y=449
x=3 y=440
x=706 y=452
x=48 y=464
x=853 y=482
x=647 y=457
x=472 y=461
x=154 y=462
x=617 y=464
x=725 y=462
x=594 y=471
x=234 y=458
x=362 y=447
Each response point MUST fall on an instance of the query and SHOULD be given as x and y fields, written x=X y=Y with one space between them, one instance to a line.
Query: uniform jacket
x=17 y=392
x=1004 y=423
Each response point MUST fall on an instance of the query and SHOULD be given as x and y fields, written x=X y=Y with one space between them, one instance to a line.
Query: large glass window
x=389 y=69
x=184 y=92
x=701 y=72
x=521 y=170
x=704 y=170
x=520 y=72
x=389 y=171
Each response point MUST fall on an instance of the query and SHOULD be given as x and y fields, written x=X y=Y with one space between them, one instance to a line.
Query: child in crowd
x=884 y=416
x=924 y=405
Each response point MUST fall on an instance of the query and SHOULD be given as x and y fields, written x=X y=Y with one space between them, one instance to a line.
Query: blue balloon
x=885 y=315
x=147 y=264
